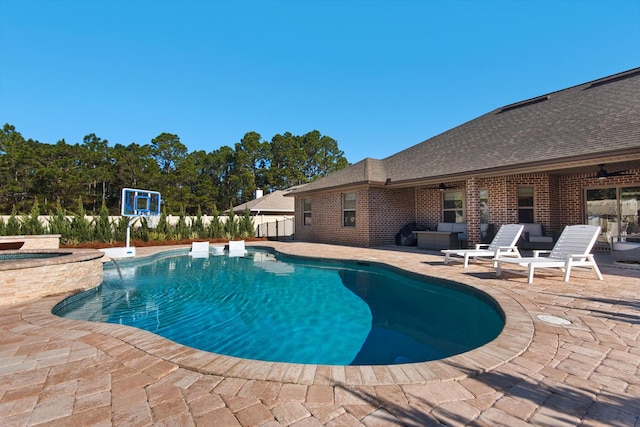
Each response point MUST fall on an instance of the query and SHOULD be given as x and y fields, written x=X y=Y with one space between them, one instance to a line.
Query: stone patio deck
x=57 y=371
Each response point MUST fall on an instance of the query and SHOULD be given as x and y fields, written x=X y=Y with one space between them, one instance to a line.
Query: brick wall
x=472 y=216
x=326 y=217
x=390 y=210
x=429 y=204
x=380 y=213
x=572 y=191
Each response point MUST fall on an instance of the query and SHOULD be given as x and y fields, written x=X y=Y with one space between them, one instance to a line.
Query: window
x=484 y=206
x=453 y=206
x=525 y=205
x=306 y=211
x=616 y=211
x=349 y=209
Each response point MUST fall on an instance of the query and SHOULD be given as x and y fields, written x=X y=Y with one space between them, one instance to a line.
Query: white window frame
x=306 y=211
x=461 y=209
x=348 y=211
x=527 y=208
x=483 y=196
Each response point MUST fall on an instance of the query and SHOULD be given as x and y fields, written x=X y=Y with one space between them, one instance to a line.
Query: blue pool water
x=291 y=310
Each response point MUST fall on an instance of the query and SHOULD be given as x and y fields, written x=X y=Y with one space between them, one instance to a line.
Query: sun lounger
x=199 y=249
x=573 y=249
x=236 y=248
x=503 y=244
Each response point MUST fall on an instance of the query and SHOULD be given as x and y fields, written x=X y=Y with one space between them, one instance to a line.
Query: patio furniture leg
x=567 y=271
x=595 y=268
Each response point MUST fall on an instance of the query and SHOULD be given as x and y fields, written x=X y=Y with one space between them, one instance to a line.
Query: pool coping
x=515 y=338
x=67 y=256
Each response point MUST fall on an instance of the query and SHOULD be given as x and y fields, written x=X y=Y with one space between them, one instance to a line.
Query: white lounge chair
x=236 y=248
x=199 y=249
x=573 y=249
x=503 y=244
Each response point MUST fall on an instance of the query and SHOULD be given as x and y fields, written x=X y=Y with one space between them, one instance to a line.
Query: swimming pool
x=291 y=310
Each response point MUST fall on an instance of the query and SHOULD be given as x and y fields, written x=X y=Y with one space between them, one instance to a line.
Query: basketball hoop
x=152 y=220
x=138 y=203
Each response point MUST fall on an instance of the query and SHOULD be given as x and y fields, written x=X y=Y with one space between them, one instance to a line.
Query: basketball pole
x=129 y=224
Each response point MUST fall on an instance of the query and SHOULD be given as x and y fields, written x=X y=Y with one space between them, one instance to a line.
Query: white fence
x=270 y=226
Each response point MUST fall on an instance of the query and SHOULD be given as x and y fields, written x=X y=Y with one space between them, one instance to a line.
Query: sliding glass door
x=629 y=212
x=616 y=211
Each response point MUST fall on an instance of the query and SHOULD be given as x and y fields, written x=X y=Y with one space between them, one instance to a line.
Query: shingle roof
x=274 y=202
x=589 y=120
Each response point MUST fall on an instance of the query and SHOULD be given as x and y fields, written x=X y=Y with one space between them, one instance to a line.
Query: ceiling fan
x=603 y=174
x=443 y=187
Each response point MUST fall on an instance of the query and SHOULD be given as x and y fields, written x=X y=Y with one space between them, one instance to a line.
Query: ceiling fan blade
x=619 y=173
x=604 y=174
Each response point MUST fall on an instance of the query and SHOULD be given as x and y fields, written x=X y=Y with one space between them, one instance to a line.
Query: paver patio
x=57 y=371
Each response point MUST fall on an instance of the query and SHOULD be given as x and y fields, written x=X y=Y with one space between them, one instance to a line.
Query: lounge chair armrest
x=507 y=251
x=482 y=245
x=583 y=256
x=537 y=253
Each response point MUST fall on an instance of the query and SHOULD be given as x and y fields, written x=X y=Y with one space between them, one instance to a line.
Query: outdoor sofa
x=448 y=235
x=534 y=237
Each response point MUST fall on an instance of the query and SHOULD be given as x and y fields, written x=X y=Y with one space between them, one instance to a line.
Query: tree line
x=55 y=176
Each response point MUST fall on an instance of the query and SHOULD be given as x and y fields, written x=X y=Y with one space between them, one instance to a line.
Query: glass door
x=629 y=212
x=616 y=211
x=602 y=210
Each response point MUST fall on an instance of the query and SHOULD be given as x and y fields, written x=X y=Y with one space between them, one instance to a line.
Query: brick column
x=473 y=212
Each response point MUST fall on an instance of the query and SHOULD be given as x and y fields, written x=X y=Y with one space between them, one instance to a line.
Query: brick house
x=567 y=157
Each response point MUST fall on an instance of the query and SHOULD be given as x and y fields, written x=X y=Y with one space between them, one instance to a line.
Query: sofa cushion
x=445 y=226
x=625 y=246
x=484 y=229
x=532 y=229
x=454 y=227
x=540 y=239
x=459 y=227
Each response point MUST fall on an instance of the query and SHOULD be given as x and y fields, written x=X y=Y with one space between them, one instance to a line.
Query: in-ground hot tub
x=29 y=274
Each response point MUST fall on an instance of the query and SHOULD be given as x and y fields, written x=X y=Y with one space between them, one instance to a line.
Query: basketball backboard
x=140 y=202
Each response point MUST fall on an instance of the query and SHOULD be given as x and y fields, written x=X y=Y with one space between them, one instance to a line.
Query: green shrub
x=182 y=230
x=31 y=225
x=246 y=226
x=198 y=229
x=102 y=227
x=230 y=228
x=215 y=229
x=60 y=224
x=81 y=228
x=141 y=232
x=13 y=224
x=120 y=229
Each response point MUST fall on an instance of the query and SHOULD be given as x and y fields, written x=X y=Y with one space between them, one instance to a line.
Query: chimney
x=258 y=194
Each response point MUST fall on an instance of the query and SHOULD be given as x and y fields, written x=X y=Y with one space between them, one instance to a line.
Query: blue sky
x=377 y=76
